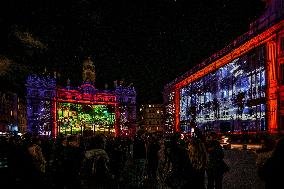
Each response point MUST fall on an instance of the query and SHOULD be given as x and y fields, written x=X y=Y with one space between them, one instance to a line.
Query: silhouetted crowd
x=270 y=164
x=100 y=161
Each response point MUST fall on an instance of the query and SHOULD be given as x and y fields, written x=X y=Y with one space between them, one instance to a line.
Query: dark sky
x=147 y=42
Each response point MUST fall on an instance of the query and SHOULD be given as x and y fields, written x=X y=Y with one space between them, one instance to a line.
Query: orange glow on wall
x=272 y=94
x=243 y=49
x=266 y=37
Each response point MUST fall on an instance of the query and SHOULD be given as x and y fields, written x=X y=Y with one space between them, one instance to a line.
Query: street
x=242 y=174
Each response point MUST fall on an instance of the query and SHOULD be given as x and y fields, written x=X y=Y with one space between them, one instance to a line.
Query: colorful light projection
x=239 y=47
x=232 y=98
x=40 y=105
x=78 y=118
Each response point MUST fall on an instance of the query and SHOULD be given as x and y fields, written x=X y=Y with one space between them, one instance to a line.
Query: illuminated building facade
x=53 y=110
x=8 y=112
x=152 y=117
x=238 y=89
x=22 y=115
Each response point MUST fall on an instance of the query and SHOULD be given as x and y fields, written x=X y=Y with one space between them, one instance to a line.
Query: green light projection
x=79 y=118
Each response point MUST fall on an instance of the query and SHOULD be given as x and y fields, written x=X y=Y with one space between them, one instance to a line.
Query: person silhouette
x=270 y=172
x=216 y=166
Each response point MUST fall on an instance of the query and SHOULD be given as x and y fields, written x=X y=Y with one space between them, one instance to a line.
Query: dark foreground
x=242 y=174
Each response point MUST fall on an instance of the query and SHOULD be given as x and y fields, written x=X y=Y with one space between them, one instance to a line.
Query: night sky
x=147 y=43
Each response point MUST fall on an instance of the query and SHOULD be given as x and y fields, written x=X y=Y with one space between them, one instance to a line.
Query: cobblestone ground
x=242 y=174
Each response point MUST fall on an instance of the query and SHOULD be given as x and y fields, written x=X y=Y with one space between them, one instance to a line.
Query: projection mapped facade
x=238 y=89
x=75 y=118
x=52 y=110
x=232 y=97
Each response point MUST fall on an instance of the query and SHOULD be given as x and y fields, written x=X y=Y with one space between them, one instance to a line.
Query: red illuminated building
x=85 y=110
x=238 y=89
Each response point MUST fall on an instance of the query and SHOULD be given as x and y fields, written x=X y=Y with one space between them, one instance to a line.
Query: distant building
x=152 y=117
x=86 y=110
x=8 y=112
x=22 y=115
x=238 y=89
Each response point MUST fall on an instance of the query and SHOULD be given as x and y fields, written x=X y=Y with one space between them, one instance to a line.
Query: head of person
x=213 y=136
x=197 y=154
x=279 y=149
x=139 y=134
x=99 y=142
x=269 y=144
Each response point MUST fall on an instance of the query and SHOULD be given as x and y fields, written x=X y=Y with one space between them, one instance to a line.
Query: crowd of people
x=100 y=161
x=270 y=163
x=112 y=162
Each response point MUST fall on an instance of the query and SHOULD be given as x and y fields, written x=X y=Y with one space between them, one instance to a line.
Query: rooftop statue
x=88 y=71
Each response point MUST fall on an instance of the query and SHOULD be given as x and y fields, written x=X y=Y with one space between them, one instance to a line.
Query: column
x=177 y=109
x=271 y=92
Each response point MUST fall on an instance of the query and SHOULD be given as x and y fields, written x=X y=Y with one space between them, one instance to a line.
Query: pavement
x=243 y=171
x=242 y=174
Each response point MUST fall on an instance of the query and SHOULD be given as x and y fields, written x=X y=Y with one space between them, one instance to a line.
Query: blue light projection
x=231 y=99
